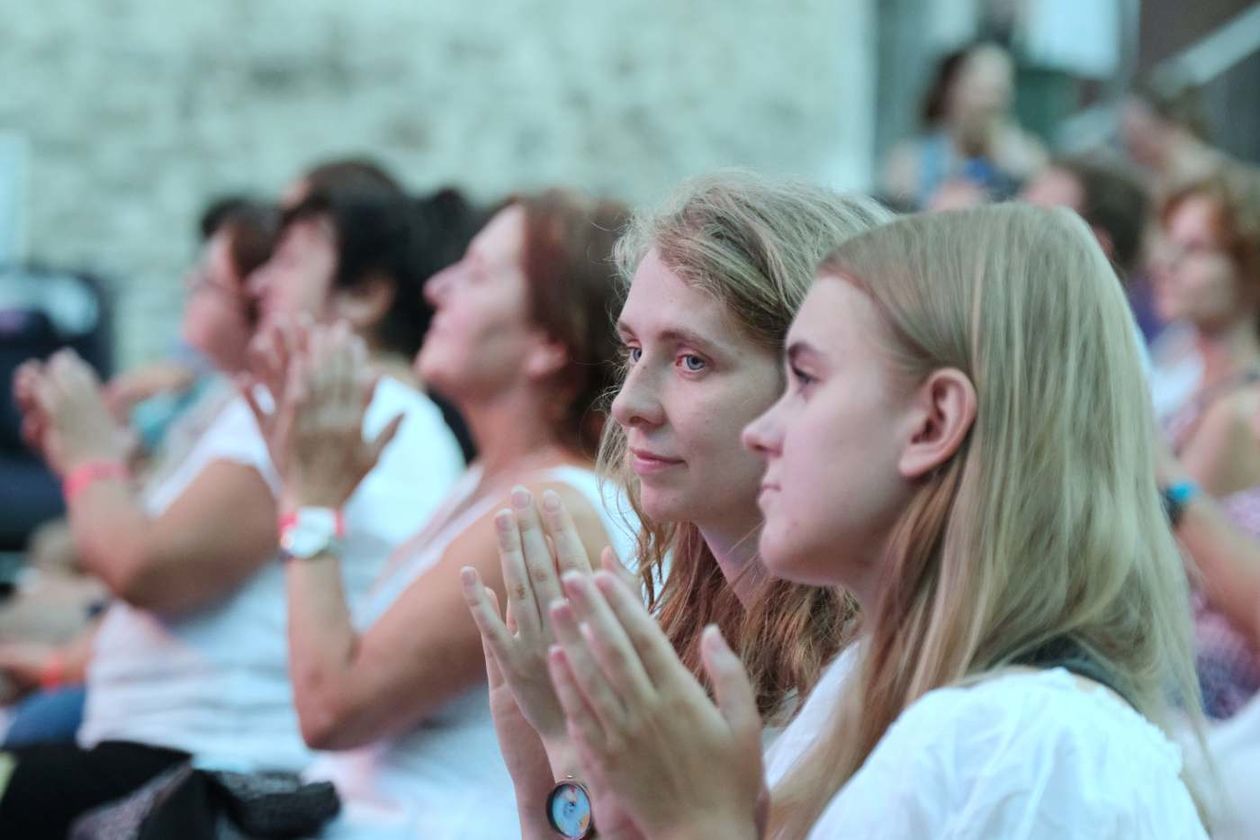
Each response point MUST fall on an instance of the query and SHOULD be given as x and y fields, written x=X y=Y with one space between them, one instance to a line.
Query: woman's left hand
x=679 y=765
x=75 y=424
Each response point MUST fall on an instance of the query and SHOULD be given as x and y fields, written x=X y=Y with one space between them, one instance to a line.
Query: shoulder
x=1026 y=749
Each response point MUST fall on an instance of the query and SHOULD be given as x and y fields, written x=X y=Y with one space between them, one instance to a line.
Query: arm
x=352 y=689
x=1228 y=562
x=1222 y=456
x=219 y=531
x=216 y=533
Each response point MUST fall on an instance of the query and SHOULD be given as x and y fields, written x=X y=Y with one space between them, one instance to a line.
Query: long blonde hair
x=753 y=244
x=1046 y=526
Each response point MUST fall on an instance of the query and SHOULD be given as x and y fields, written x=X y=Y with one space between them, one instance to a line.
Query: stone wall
x=136 y=111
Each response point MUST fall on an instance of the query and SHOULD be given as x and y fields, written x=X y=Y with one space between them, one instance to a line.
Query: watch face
x=569 y=810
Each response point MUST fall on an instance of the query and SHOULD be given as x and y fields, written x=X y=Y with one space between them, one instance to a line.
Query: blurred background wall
x=133 y=112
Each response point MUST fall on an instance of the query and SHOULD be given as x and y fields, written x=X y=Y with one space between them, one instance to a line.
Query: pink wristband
x=53 y=675
x=90 y=472
x=288 y=520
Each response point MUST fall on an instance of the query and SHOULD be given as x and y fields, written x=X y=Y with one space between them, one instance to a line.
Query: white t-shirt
x=215 y=682
x=1025 y=754
x=811 y=720
x=444 y=780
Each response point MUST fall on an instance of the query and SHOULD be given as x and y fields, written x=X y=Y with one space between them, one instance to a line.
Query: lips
x=645 y=462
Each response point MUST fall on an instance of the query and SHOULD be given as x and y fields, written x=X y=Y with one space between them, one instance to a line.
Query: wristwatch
x=569 y=810
x=311 y=531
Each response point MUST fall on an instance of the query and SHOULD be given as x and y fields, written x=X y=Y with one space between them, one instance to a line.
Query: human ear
x=943 y=410
x=545 y=358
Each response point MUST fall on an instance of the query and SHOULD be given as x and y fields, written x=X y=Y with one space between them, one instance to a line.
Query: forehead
x=1055 y=188
x=503 y=234
x=660 y=301
x=1196 y=215
x=838 y=320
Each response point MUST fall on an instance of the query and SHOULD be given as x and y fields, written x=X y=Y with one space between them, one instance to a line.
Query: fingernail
x=551 y=500
x=468 y=576
x=503 y=520
x=520 y=497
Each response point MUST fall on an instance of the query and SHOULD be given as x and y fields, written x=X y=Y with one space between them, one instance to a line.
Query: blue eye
x=633 y=354
x=693 y=363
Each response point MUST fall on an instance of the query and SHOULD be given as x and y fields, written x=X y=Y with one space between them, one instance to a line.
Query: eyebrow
x=798 y=350
x=679 y=335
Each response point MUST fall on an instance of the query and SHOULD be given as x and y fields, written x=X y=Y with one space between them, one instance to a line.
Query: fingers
x=652 y=648
x=382 y=440
x=585 y=670
x=494 y=673
x=538 y=560
x=735 y=696
x=607 y=639
x=484 y=606
x=582 y=722
x=246 y=385
x=570 y=551
x=520 y=595
x=609 y=563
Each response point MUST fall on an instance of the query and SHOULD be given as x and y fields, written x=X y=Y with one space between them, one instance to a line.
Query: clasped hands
x=309 y=388
x=588 y=669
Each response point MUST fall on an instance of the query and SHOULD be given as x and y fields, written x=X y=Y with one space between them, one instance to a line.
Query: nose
x=258 y=282
x=638 y=402
x=438 y=286
x=764 y=435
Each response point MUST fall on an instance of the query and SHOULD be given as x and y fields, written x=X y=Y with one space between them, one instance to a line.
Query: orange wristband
x=90 y=472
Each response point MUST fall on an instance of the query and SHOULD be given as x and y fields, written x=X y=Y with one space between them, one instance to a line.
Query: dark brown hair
x=1114 y=201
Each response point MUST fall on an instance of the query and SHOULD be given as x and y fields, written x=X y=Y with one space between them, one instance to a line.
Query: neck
x=511 y=432
x=735 y=550
x=1228 y=351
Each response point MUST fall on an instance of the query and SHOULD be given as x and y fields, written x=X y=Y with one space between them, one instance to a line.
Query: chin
x=662 y=505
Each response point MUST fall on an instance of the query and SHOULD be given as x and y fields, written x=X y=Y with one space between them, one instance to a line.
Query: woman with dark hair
x=190 y=661
x=970 y=142
x=522 y=344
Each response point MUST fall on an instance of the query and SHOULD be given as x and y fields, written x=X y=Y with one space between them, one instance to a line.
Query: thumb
x=734 y=693
x=377 y=446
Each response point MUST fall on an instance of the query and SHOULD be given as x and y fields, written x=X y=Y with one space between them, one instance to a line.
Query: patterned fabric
x=1228 y=666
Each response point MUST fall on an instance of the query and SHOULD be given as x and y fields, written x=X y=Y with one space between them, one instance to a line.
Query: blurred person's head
x=1158 y=115
x=714 y=278
x=220 y=315
x=353 y=257
x=527 y=312
x=341 y=177
x=1111 y=200
x=966 y=444
x=971 y=87
x=1209 y=266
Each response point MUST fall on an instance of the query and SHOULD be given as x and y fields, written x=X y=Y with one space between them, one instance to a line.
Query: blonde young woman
x=714 y=278
x=963 y=444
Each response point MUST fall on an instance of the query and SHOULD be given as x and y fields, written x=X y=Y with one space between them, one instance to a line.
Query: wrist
x=52 y=675
x=1177 y=497
x=562 y=758
x=308 y=532
x=86 y=472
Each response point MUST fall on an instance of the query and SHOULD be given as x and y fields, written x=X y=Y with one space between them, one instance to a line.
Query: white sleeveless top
x=446 y=779
x=215 y=682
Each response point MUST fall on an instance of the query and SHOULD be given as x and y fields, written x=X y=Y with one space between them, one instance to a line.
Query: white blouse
x=1025 y=754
